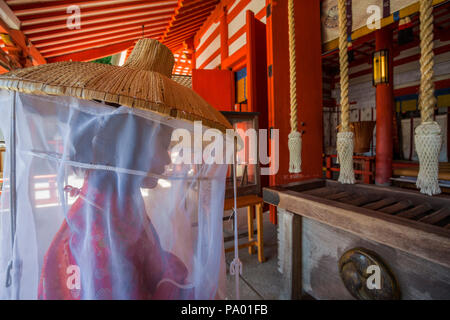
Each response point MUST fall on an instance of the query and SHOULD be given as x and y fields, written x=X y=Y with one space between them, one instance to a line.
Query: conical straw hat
x=143 y=82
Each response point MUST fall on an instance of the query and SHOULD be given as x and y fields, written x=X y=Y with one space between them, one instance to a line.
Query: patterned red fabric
x=152 y=271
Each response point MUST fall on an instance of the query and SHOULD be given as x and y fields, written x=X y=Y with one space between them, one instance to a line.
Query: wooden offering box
x=321 y=220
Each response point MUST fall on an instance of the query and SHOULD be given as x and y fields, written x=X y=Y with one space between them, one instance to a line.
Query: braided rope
x=345 y=143
x=343 y=61
x=293 y=66
x=295 y=137
x=428 y=140
x=427 y=99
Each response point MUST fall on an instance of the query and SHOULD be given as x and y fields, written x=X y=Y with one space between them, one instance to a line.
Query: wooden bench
x=411 y=169
x=253 y=204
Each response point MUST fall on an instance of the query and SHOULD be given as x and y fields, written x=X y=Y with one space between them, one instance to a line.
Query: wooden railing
x=364 y=167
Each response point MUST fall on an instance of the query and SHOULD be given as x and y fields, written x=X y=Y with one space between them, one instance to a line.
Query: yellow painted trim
x=443 y=101
x=405 y=12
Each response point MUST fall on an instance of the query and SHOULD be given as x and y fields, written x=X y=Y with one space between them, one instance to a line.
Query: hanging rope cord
x=428 y=140
x=293 y=67
x=295 y=137
x=345 y=142
x=343 y=62
x=427 y=99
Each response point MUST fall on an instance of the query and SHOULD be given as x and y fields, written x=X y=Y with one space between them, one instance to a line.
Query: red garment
x=150 y=272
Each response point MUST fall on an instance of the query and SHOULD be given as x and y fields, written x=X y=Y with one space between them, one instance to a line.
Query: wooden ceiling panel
x=110 y=25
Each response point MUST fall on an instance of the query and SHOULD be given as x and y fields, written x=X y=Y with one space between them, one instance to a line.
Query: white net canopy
x=102 y=210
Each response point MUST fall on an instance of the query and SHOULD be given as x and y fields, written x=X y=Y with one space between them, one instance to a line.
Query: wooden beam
x=223 y=27
x=36 y=7
x=22 y=42
x=251 y=53
x=58 y=40
x=6 y=64
x=8 y=16
x=93 y=45
x=215 y=15
x=93 y=42
x=290 y=254
x=163 y=11
x=95 y=53
x=62 y=15
x=100 y=27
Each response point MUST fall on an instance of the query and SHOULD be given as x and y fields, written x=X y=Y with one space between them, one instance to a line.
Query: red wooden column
x=223 y=35
x=448 y=134
x=256 y=62
x=385 y=113
x=252 y=94
x=309 y=86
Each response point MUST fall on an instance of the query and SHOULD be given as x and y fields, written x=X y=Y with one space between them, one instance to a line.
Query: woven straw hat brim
x=131 y=87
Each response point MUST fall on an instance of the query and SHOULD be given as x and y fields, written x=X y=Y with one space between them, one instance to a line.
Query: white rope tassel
x=295 y=152
x=428 y=143
x=345 y=154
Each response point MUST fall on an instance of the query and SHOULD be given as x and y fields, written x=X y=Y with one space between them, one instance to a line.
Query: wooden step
x=415 y=212
x=320 y=192
x=437 y=216
x=399 y=206
x=380 y=204
x=337 y=196
x=359 y=200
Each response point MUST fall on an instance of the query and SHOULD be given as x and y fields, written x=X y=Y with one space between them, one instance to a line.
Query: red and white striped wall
x=224 y=34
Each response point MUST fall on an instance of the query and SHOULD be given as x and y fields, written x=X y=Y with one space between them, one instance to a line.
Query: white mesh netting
x=345 y=154
x=295 y=152
x=428 y=143
x=103 y=210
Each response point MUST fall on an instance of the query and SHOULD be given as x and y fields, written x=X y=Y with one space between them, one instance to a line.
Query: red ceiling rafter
x=86 y=55
x=96 y=33
x=146 y=21
x=163 y=11
x=31 y=7
x=61 y=15
x=112 y=26
x=191 y=13
x=87 y=46
x=93 y=42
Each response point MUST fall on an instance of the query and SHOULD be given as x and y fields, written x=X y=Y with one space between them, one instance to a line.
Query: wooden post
x=251 y=60
x=250 y=213
x=366 y=170
x=448 y=134
x=290 y=254
x=223 y=35
x=385 y=111
x=329 y=174
x=309 y=86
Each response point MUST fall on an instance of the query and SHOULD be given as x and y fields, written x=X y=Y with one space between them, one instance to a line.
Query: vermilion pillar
x=223 y=35
x=385 y=113
x=309 y=87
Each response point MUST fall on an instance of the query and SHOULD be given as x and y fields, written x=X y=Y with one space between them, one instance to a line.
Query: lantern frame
x=380 y=70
